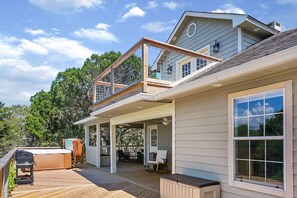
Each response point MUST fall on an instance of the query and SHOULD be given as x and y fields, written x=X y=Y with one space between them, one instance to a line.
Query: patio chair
x=161 y=159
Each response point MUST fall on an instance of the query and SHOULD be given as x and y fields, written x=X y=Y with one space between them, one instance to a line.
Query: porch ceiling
x=129 y=108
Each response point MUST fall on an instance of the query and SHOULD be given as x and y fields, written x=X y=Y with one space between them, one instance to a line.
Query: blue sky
x=39 y=38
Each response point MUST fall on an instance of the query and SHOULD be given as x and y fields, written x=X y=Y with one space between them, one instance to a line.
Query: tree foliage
x=12 y=129
x=51 y=114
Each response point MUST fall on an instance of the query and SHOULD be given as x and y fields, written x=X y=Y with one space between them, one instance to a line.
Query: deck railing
x=4 y=172
x=134 y=67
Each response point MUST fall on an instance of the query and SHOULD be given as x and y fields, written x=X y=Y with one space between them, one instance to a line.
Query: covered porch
x=154 y=128
x=88 y=181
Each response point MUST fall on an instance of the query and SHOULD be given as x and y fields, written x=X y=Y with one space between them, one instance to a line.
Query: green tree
x=12 y=127
x=53 y=113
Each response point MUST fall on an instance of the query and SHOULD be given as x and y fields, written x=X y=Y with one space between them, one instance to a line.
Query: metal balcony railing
x=134 y=68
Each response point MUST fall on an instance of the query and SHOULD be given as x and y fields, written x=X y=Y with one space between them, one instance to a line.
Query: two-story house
x=224 y=103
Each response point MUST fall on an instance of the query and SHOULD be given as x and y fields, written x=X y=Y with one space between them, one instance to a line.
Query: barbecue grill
x=24 y=163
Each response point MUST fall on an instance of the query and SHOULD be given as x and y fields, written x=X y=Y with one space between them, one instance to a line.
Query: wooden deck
x=89 y=181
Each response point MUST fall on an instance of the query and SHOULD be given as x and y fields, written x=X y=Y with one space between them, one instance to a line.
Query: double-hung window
x=259 y=123
x=186 y=69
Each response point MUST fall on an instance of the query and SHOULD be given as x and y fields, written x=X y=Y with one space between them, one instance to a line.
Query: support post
x=86 y=135
x=145 y=145
x=94 y=93
x=98 y=134
x=173 y=171
x=112 y=80
x=113 y=154
x=144 y=66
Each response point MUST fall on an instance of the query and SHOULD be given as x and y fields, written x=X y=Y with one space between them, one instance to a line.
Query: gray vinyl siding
x=249 y=39
x=202 y=135
x=208 y=30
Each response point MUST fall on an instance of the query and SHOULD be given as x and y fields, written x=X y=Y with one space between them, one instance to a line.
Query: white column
x=173 y=138
x=98 y=151
x=86 y=135
x=144 y=145
x=113 y=155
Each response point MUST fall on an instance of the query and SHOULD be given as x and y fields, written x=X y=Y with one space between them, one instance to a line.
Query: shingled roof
x=273 y=44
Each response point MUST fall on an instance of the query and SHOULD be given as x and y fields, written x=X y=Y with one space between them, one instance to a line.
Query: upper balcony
x=133 y=72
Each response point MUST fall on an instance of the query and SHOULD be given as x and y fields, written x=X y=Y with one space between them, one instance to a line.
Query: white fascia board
x=263 y=26
x=266 y=62
x=130 y=100
x=236 y=19
x=91 y=120
x=85 y=120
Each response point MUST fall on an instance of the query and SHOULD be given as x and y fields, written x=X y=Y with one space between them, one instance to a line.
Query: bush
x=11 y=176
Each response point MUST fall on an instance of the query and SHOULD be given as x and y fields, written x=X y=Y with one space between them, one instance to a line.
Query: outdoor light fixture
x=169 y=69
x=165 y=123
x=216 y=47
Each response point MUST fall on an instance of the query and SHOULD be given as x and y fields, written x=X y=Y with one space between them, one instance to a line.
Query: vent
x=274 y=24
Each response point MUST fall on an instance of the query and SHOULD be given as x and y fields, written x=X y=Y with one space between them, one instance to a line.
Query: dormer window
x=188 y=65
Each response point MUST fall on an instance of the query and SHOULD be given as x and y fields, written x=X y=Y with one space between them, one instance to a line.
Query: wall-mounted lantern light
x=216 y=47
x=169 y=69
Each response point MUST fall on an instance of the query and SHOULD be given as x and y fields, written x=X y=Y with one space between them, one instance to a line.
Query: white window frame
x=288 y=142
x=95 y=134
x=204 y=50
x=153 y=148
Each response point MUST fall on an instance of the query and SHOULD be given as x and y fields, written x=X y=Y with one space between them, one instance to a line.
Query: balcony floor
x=88 y=181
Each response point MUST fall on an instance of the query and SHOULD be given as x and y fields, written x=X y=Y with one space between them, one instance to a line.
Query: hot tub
x=51 y=159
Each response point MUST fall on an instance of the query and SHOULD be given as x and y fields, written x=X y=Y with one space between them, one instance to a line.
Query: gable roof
x=237 y=19
x=278 y=42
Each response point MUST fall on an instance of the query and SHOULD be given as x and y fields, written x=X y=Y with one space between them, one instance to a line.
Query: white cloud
x=133 y=12
x=76 y=5
x=170 y=5
x=159 y=26
x=32 y=47
x=56 y=30
x=264 y=5
x=36 y=32
x=42 y=72
x=229 y=8
x=7 y=49
x=99 y=33
x=286 y=1
x=130 y=5
x=23 y=80
x=27 y=66
x=70 y=48
x=152 y=5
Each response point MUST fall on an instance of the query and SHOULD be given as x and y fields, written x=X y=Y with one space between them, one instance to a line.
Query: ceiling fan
x=165 y=121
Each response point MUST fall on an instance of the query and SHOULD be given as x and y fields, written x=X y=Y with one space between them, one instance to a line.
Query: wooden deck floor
x=89 y=181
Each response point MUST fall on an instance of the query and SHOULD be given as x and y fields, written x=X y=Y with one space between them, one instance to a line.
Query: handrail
x=157 y=44
x=144 y=43
x=181 y=50
x=6 y=159
x=4 y=172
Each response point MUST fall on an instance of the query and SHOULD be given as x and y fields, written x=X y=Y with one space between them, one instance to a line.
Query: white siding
x=202 y=132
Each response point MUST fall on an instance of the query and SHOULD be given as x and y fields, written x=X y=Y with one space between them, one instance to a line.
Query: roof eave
x=284 y=56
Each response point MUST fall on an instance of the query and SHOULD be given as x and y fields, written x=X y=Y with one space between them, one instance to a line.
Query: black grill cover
x=24 y=157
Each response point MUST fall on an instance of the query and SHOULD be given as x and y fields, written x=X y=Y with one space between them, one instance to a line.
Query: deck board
x=89 y=181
